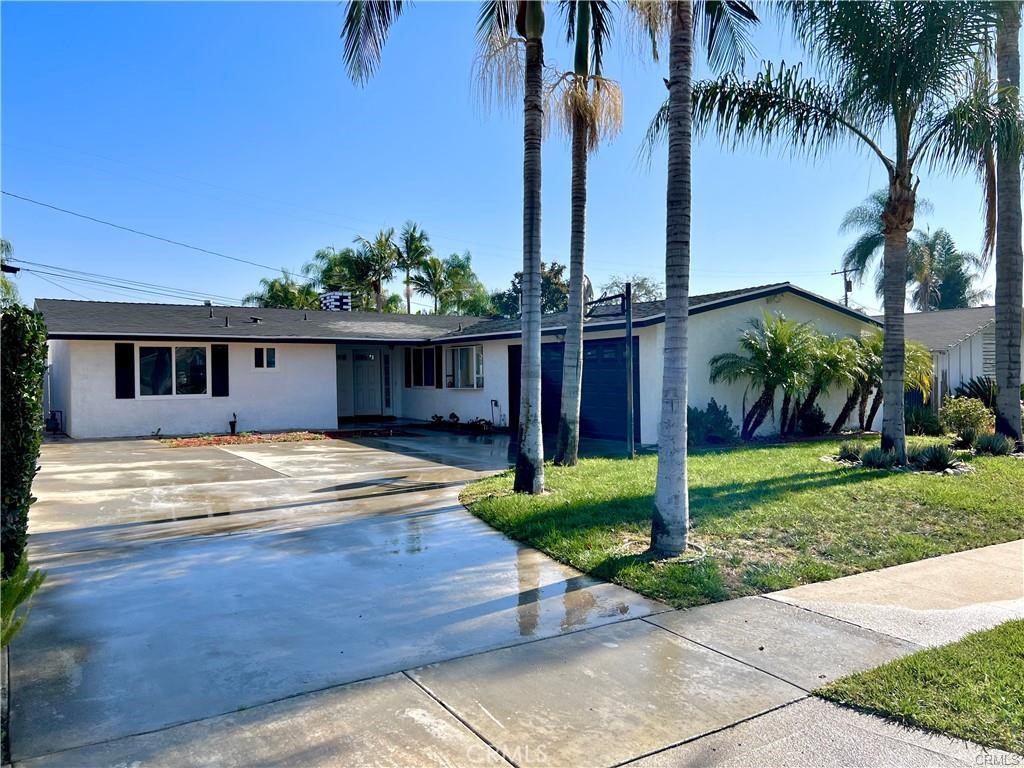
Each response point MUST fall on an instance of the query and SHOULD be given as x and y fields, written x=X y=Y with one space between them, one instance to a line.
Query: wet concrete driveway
x=187 y=583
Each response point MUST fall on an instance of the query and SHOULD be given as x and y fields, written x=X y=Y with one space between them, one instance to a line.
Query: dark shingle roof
x=122 y=320
x=648 y=311
x=107 y=319
x=942 y=329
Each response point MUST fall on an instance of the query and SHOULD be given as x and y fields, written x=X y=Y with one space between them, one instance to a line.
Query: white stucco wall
x=717 y=331
x=300 y=393
x=424 y=402
x=60 y=377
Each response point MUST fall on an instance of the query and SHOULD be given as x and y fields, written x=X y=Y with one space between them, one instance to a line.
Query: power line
x=62 y=287
x=148 y=291
x=129 y=284
x=141 y=233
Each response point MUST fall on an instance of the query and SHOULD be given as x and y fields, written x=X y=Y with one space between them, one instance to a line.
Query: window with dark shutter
x=439 y=368
x=219 y=370
x=124 y=371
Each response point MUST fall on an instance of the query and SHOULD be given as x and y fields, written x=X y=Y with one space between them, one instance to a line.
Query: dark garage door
x=603 y=406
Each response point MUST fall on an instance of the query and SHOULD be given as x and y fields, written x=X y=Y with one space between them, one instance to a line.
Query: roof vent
x=256 y=319
x=226 y=323
x=211 y=312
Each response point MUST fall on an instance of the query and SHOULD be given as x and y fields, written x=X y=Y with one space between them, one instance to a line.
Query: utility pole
x=847 y=284
x=630 y=441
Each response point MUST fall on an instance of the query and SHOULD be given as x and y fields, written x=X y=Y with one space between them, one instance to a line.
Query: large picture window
x=172 y=371
x=466 y=367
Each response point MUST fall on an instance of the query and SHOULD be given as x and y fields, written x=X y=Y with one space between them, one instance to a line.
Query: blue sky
x=234 y=127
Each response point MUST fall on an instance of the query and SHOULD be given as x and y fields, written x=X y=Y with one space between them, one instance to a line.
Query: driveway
x=187 y=583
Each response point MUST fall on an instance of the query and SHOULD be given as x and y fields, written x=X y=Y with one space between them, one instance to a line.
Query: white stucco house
x=962 y=343
x=123 y=369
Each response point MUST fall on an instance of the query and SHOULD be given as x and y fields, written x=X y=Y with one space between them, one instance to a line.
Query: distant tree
x=413 y=249
x=554 y=292
x=335 y=270
x=940 y=275
x=644 y=288
x=8 y=291
x=284 y=293
x=478 y=303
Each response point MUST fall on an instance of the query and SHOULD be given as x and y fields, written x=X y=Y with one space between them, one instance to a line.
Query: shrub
x=851 y=451
x=966 y=417
x=23 y=353
x=921 y=420
x=932 y=458
x=15 y=590
x=876 y=458
x=814 y=423
x=711 y=426
x=994 y=445
x=982 y=388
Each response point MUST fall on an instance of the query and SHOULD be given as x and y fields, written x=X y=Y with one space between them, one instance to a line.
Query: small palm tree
x=836 y=363
x=375 y=261
x=776 y=353
x=413 y=249
x=895 y=74
x=588 y=108
x=917 y=362
x=331 y=269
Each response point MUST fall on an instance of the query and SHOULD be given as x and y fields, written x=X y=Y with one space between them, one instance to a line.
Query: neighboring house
x=120 y=369
x=962 y=343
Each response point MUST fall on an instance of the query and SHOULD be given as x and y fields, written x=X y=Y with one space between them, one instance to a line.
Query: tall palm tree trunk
x=408 y=295
x=567 y=448
x=1009 y=257
x=897 y=222
x=671 y=519
x=529 y=476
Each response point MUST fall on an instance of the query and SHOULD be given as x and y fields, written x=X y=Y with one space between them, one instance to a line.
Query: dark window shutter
x=124 y=371
x=259 y=357
x=438 y=367
x=408 y=367
x=219 y=370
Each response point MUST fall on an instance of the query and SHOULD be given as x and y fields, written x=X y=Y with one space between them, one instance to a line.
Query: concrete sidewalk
x=725 y=684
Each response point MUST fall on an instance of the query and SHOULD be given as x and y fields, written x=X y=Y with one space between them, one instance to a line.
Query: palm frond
x=599 y=108
x=724 y=27
x=655 y=134
x=862 y=252
x=779 y=105
x=366 y=28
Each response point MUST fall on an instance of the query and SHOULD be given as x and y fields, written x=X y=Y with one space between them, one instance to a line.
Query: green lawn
x=770 y=517
x=972 y=689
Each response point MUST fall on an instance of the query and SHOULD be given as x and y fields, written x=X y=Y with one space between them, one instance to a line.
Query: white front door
x=366 y=382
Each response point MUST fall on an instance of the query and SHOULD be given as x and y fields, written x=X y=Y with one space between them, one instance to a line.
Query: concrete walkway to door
x=340 y=608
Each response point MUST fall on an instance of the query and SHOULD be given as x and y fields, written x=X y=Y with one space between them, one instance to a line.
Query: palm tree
x=333 y=270
x=776 y=353
x=413 y=249
x=375 y=261
x=589 y=110
x=836 y=362
x=365 y=31
x=430 y=280
x=865 y=220
x=724 y=30
x=1009 y=253
x=889 y=68
x=461 y=280
x=284 y=293
x=941 y=276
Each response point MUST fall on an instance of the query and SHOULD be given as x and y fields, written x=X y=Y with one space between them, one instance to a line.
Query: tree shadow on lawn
x=580 y=532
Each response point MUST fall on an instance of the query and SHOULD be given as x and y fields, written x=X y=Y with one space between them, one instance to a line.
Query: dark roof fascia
x=786 y=288
x=232 y=339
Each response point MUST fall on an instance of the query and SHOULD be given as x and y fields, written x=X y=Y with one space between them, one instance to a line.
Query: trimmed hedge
x=23 y=353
